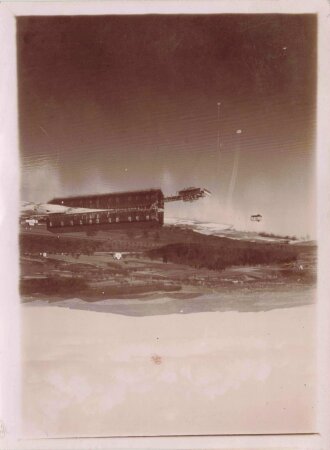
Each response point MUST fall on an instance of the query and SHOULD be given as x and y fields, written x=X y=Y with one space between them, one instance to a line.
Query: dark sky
x=109 y=103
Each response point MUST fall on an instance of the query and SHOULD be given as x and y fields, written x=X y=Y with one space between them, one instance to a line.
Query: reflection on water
x=240 y=301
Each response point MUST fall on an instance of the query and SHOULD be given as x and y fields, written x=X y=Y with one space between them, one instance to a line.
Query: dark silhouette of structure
x=143 y=208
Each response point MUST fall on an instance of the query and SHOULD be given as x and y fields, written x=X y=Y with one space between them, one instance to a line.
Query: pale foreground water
x=88 y=373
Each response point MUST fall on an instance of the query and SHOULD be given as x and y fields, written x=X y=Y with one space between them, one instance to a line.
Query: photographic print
x=167 y=226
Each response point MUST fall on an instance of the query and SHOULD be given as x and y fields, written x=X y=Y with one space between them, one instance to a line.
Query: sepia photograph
x=167 y=228
x=167 y=242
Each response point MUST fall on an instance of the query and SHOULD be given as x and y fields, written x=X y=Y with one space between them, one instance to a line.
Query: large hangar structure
x=114 y=200
x=144 y=208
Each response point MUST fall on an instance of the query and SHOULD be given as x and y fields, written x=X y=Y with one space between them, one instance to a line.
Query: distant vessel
x=115 y=210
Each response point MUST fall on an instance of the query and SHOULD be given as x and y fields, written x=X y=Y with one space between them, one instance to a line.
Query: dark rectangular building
x=103 y=220
x=116 y=210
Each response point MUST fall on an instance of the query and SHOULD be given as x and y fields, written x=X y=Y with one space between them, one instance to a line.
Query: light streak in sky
x=233 y=178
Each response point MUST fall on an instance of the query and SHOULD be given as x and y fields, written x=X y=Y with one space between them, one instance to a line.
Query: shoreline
x=235 y=300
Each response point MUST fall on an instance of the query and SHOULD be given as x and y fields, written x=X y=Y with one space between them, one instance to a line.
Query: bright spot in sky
x=238 y=131
x=284 y=48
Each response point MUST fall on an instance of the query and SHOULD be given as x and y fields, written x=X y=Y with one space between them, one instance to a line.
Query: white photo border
x=9 y=210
